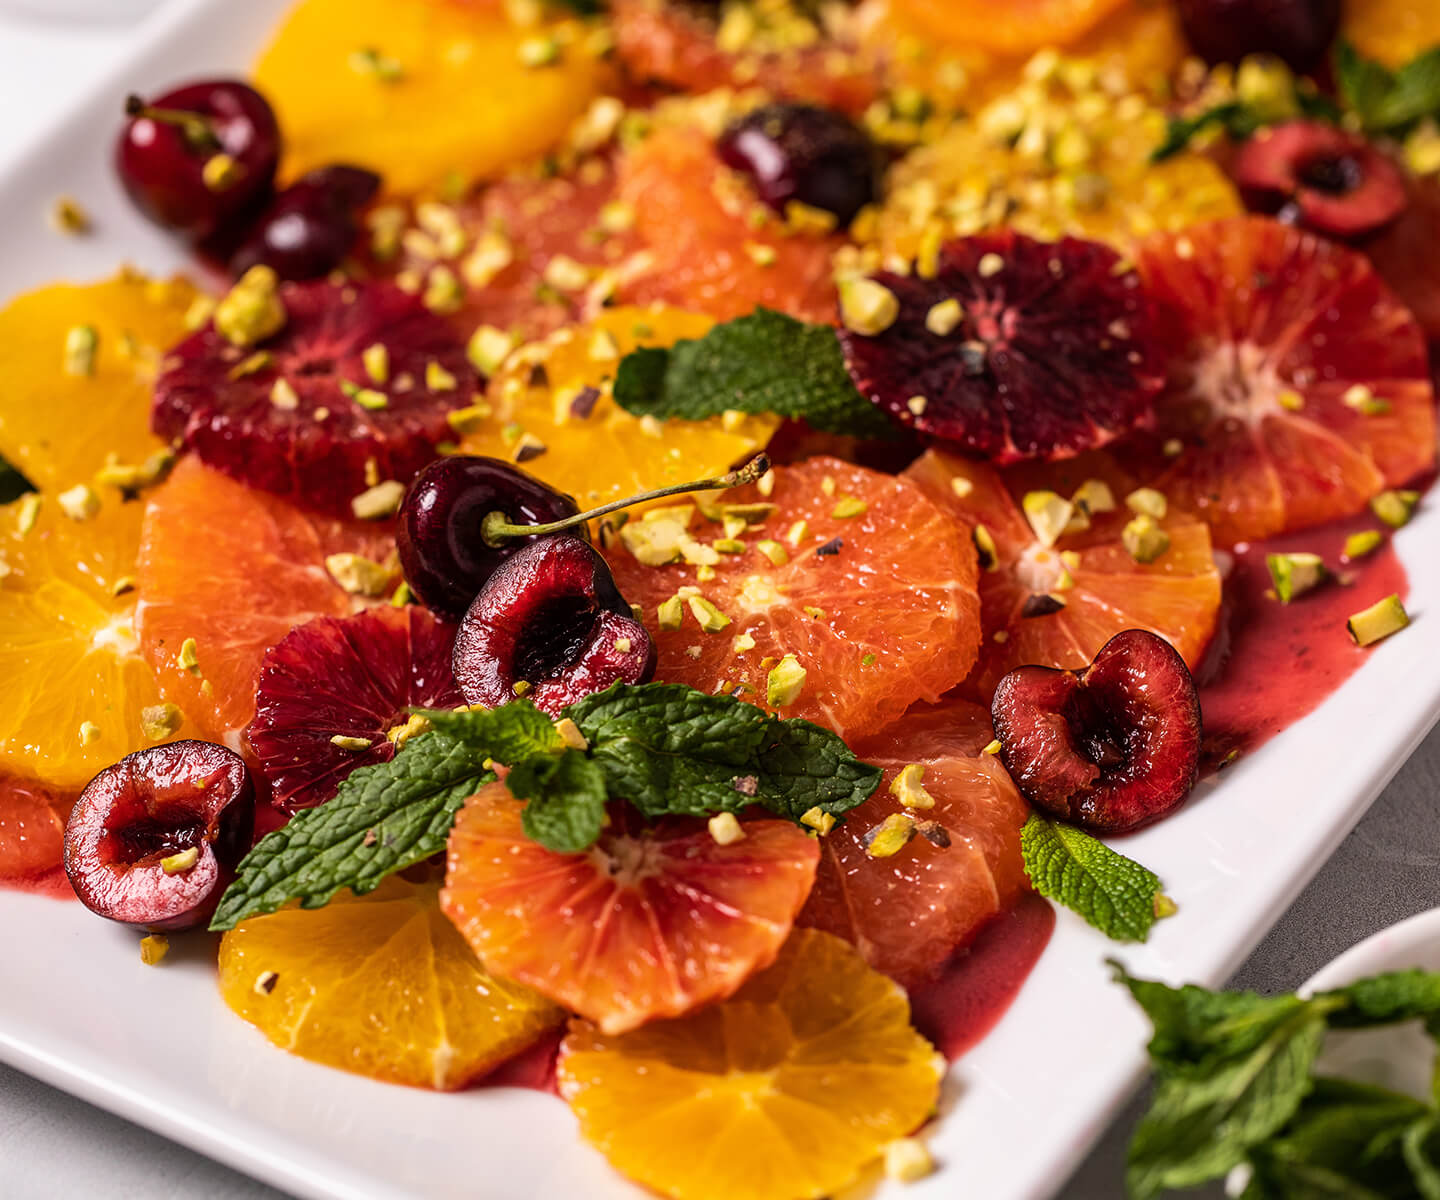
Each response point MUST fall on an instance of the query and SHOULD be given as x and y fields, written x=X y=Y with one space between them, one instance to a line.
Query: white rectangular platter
x=78 y=1010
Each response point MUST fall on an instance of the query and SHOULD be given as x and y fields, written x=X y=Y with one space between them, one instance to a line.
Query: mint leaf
x=1421 y=1148
x=382 y=819
x=1113 y=893
x=1386 y=999
x=764 y=363
x=13 y=485
x=1363 y=84
x=1235 y=117
x=670 y=749
x=508 y=734
x=565 y=809
x=1414 y=93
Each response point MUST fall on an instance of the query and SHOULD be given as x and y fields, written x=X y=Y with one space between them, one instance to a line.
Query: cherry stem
x=497 y=526
x=197 y=129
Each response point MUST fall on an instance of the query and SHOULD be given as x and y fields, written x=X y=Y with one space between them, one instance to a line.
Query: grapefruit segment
x=381 y=985
x=789 y=1089
x=642 y=925
x=878 y=607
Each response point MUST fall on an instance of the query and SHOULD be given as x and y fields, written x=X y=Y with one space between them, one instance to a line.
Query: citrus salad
x=659 y=537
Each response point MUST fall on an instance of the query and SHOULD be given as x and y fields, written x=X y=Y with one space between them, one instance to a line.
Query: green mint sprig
x=766 y=362
x=1388 y=101
x=1235 y=1084
x=1113 y=893
x=665 y=748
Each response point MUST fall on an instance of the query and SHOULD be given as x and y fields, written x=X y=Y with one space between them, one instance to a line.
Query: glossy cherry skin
x=801 y=152
x=308 y=229
x=445 y=558
x=150 y=806
x=551 y=621
x=163 y=167
x=1297 y=31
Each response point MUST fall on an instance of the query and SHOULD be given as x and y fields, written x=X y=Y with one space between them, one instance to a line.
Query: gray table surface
x=52 y=1145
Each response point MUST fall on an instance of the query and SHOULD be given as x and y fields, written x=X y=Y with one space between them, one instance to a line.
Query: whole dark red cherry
x=199 y=159
x=1297 y=31
x=801 y=152
x=550 y=625
x=443 y=551
x=308 y=229
x=154 y=840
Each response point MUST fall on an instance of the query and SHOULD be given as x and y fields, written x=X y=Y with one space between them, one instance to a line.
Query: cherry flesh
x=801 y=152
x=550 y=625
x=308 y=229
x=1298 y=31
x=201 y=159
x=154 y=840
x=443 y=550
x=1111 y=747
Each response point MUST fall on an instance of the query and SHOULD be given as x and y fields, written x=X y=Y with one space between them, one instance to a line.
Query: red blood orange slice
x=642 y=925
x=32 y=828
x=869 y=584
x=1083 y=589
x=236 y=570
x=1299 y=384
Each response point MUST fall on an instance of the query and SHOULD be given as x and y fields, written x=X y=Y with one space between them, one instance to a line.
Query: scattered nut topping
x=82 y=344
x=907 y=1160
x=1359 y=545
x=906 y=787
x=469 y=419
x=889 y=837
x=376 y=503
x=1295 y=574
x=570 y=734
x=1048 y=515
x=671 y=613
x=189 y=657
x=944 y=317
x=221 y=172
x=178 y=864
x=1147 y=501
x=371 y=62
x=79 y=503
x=1395 y=508
x=159 y=721
x=358 y=575
x=866 y=307
x=89 y=733
x=413 y=726
x=848 y=506
x=376 y=360
x=443 y=293
x=1380 y=620
x=27 y=512
x=153 y=949
x=251 y=310
x=725 y=828
x=818 y=819
x=344 y=741
x=67 y=216
x=785 y=682
x=1143 y=539
x=539 y=51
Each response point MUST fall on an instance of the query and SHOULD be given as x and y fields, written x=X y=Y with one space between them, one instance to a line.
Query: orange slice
x=891 y=616
x=1102 y=587
x=32 y=828
x=423 y=91
x=609 y=454
x=381 y=985
x=788 y=1090
x=235 y=570
x=1393 y=31
x=76 y=684
x=1015 y=27
x=58 y=427
x=642 y=925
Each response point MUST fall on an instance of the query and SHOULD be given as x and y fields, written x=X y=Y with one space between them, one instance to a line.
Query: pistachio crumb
x=797 y=533
x=1143 y=539
x=962 y=487
x=1048 y=514
x=358 y=575
x=153 y=949
x=81 y=346
x=1358 y=545
x=539 y=51
x=79 y=503
x=725 y=829
x=469 y=419
x=944 y=317
x=992 y=747
x=376 y=360
x=371 y=62
x=1395 y=508
x=785 y=682
x=774 y=551
x=866 y=307
x=413 y=726
x=67 y=216
x=443 y=291
x=380 y=501
x=283 y=395
x=1380 y=620
x=848 y=506
x=818 y=819
x=159 y=721
x=251 y=310
x=917 y=405
x=867 y=660
x=906 y=787
x=711 y=619
x=345 y=742
x=907 y=1160
x=221 y=172
x=990 y=264
x=179 y=863
x=671 y=613
x=1295 y=574
x=888 y=838
x=89 y=733
x=570 y=734
x=27 y=512
x=622 y=645
x=189 y=657
x=1148 y=501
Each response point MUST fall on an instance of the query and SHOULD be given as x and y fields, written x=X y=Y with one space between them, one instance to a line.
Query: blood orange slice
x=236 y=570
x=32 y=828
x=642 y=925
x=866 y=582
x=1056 y=605
x=1299 y=385
x=907 y=913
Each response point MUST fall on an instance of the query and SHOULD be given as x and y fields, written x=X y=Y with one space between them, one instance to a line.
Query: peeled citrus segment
x=381 y=985
x=1393 y=31
x=707 y=252
x=952 y=727
x=32 y=828
x=865 y=581
x=1016 y=27
x=909 y=912
x=1299 y=383
x=607 y=454
x=58 y=427
x=236 y=570
x=69 y=650
x=422 y=91
x=1101 y=587
x=787 y=1090
x=642 y=925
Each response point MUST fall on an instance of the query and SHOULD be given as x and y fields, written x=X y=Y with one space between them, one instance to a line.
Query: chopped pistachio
x=785 y=682
x=962 y=487
x=797 y=533
x=413 y=726
x=711 y=619
x=27 y=512
x=1295 y=574
x=743 y=643
x=603 y=346
x=827 y=485
x=774 y=551
x=67 y=216
x=358 y=575
x=265 y=981
x=402 y=595
x=564 y=274
x=89 y=733
x=867 y=660
x=132 y=479
x=178 y=864
x=765 y=485
x=814 y=613
x=1422 y=148
x=79 y=503
x=906 y=787
x=1380 y=620
x=725 y=829
x=889 y=837
x=1290 y=400
x=438 y=379
x=520 y=687
x=760 y=254
x=1172 y=448
x=251 y=310
x=1358 y=545
x=283 y=395
x=158 y=721
x=917 y=405
x=153 y=949
x=992 y=747
x=221 y=172
x=1395 y=508
x=540 y=51
x=376 y=359
x=985 y=547
x=81 y=346
x=367 y=398
x=990 y=264
x=370 y=62
x=198 y=315
x=735 y=527
x=1143 y=538
x=660 y=537
x=848 y=506
x=866 y=307
x=570 y=734
x=443 y=291
x=729 y=545
x=189 y=657
x=1048 y=514
x=1095 y=496
x=376 y=503
x=671 y=613
x=470 y=418
x=817 y=819
x=492 y=254
x=622 y=645
x=907 y=1160
x=944 y=317
x=1149 y=501
x=1362 y=399
x=346 y=742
